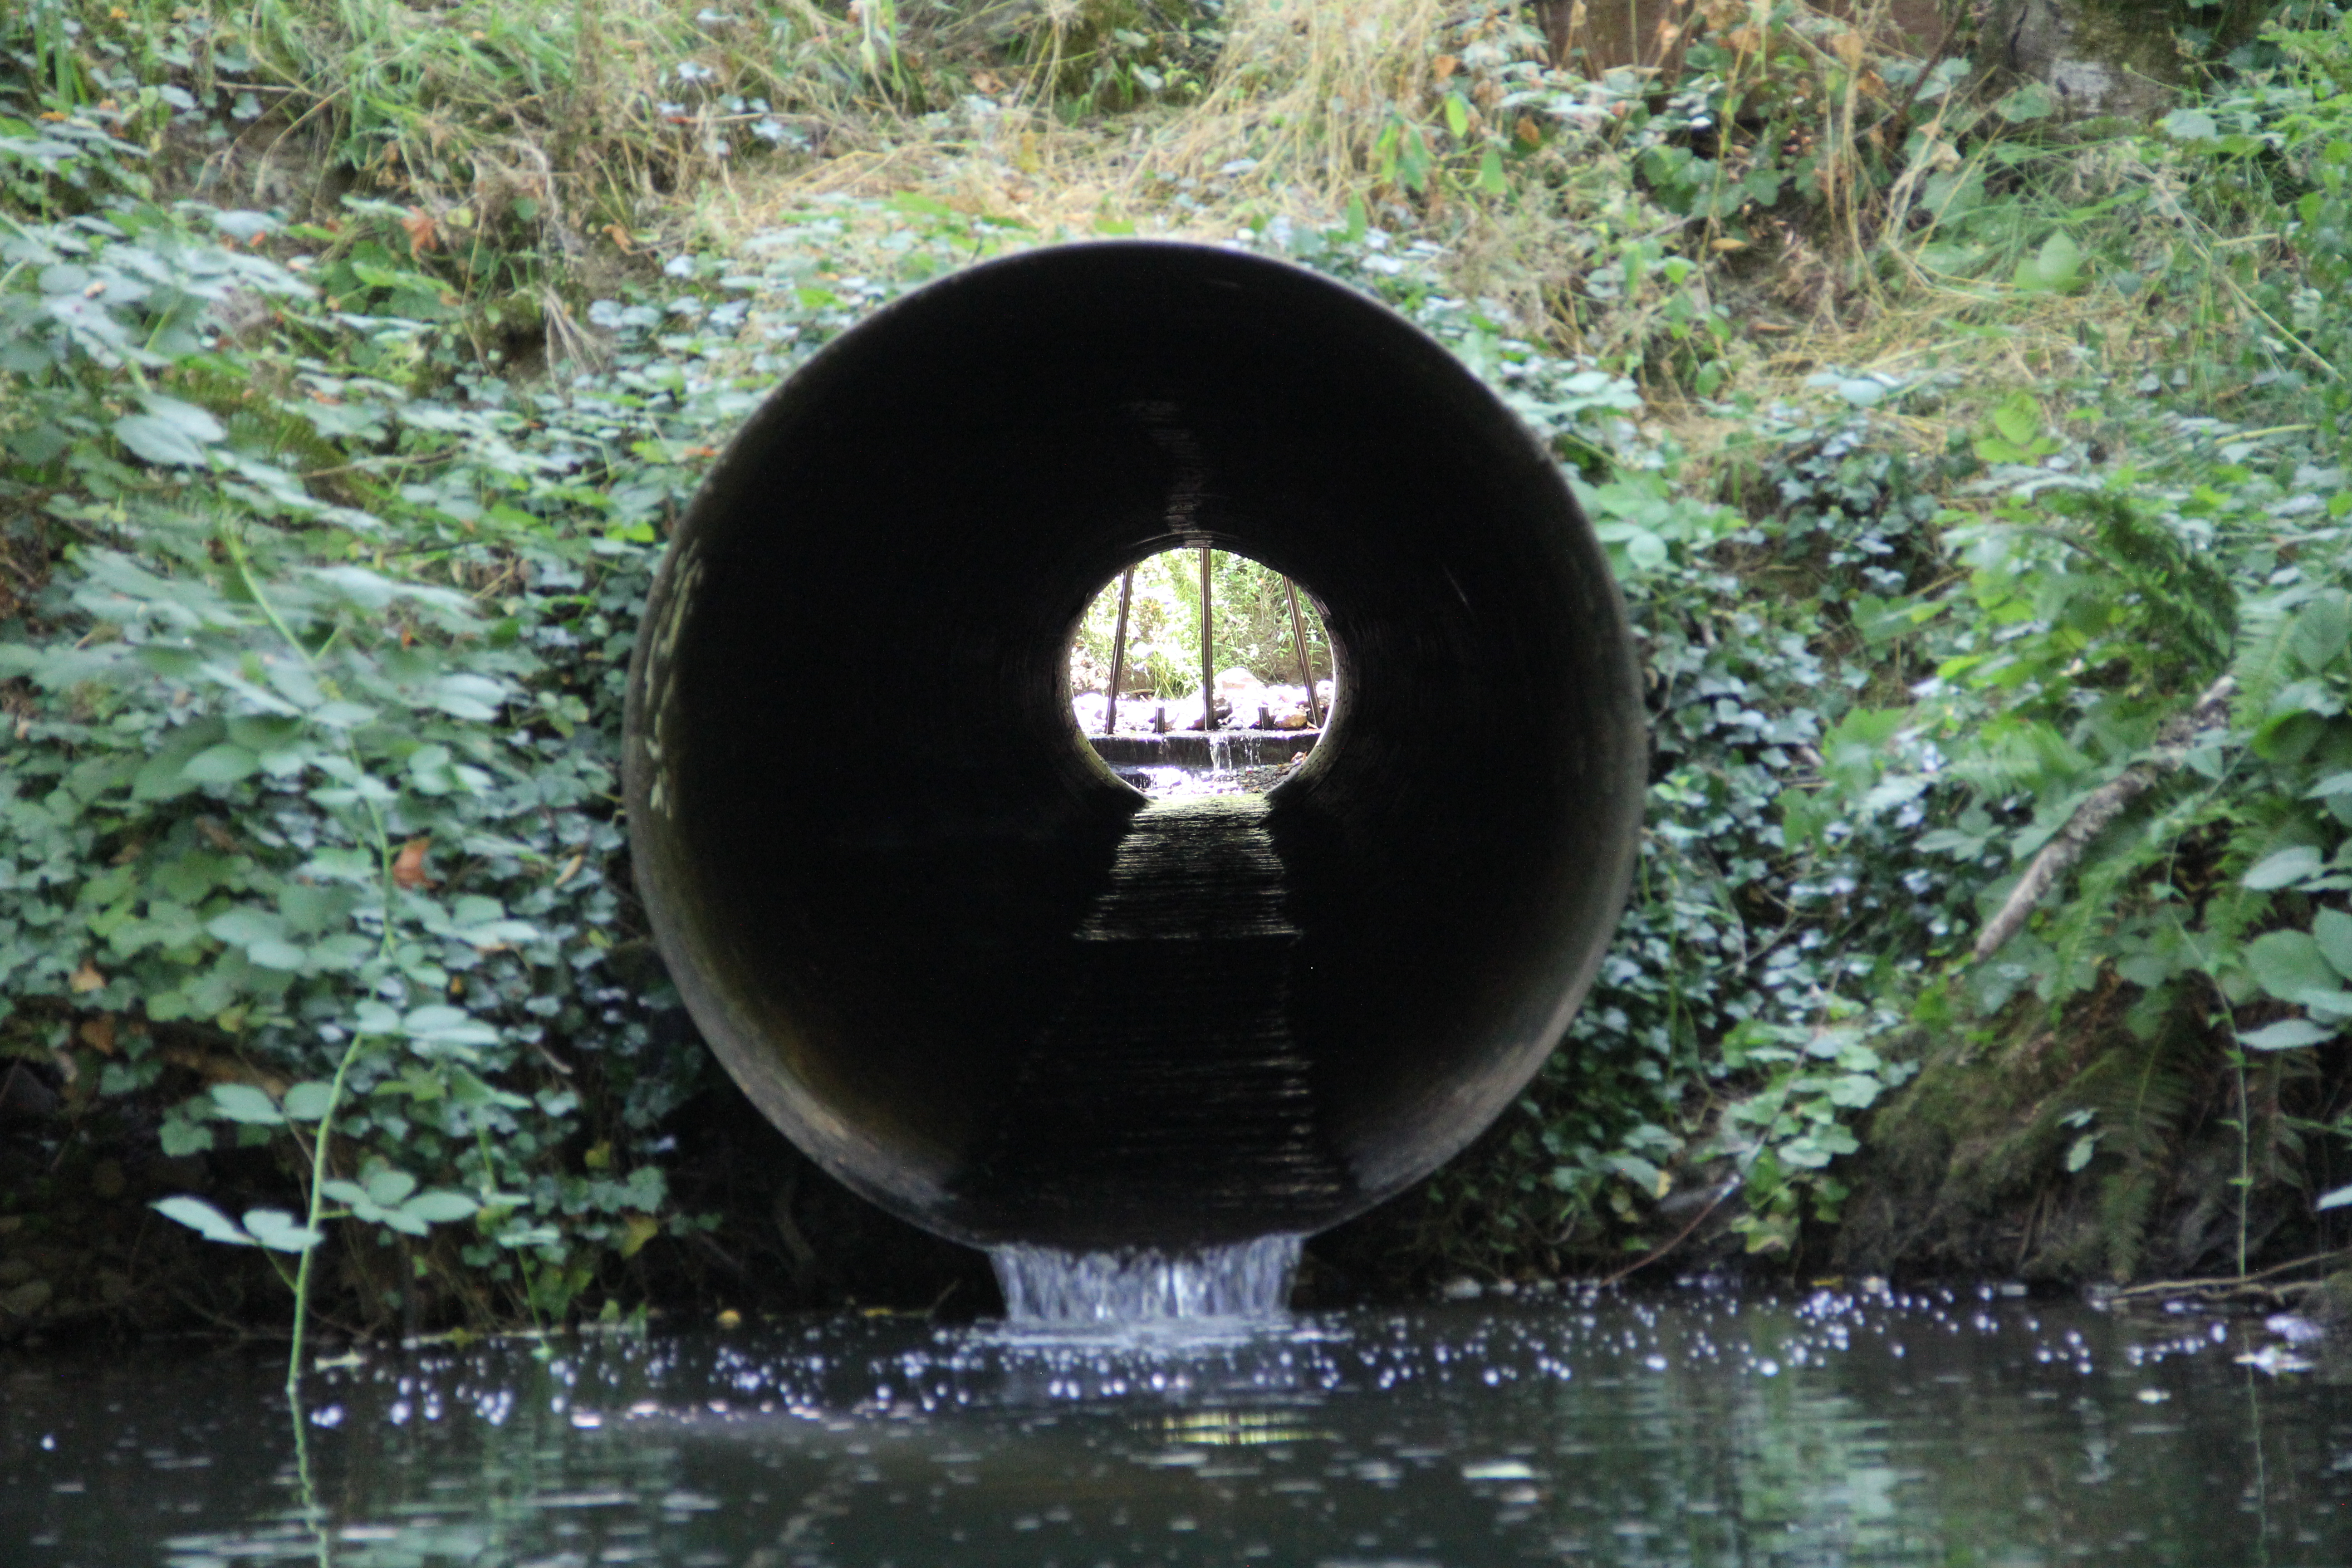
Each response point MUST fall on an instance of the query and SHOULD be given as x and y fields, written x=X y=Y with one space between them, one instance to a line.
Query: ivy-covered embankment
x=1976 y=480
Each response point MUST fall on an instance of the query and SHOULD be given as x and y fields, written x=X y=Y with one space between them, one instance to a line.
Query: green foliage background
x=346 y=391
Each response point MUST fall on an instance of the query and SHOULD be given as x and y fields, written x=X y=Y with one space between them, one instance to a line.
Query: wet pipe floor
x=1172 y=1065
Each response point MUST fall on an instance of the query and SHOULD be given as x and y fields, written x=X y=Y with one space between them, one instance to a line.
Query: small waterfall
x=1247 y=1280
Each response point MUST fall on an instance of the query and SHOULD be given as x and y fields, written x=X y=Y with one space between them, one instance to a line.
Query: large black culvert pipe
x=947 y=951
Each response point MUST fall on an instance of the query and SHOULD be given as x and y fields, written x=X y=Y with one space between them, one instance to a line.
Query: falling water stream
x=1246 y=1283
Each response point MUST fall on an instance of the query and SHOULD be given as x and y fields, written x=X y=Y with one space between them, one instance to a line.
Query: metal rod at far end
x=1117 y=655
x=1305 y=668
x=1208 y=655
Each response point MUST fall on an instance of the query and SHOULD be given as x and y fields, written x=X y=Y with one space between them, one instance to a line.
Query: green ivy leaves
x=272 y=1228
x=390 y=1198
x=171 y=433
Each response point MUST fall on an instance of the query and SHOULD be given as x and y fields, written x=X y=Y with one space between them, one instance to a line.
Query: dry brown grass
x=1306 y=88
x=1301 y=93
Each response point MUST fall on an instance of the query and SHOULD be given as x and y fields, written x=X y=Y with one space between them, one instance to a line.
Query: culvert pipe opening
x=1201 y=672
x=936 y=938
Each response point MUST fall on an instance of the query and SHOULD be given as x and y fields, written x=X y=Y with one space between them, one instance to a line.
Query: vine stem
x=376 y=830
x=324 y=1134
x=312 y=1219
x=2245 y=1182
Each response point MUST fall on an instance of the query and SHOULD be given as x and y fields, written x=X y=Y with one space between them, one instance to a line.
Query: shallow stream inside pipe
x=1700 y=1427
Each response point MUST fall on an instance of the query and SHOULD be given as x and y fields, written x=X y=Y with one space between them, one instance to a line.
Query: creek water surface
x=1696 y=1427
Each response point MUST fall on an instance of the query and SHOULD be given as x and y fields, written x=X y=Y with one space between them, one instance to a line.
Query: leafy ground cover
x=1978 y=481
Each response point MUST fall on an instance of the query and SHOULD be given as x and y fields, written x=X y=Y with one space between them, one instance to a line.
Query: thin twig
x=2174 y=1287
x=1680 y=1236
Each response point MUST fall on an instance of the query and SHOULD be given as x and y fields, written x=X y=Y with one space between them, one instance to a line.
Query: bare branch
x=2173 y=744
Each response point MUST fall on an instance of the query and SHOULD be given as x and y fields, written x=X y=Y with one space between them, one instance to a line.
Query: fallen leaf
x=571 y=868
x=215 y=835
x=418 y=226
x=214 y=1068
x=408 y=865
x=86 y=979
x=636 y=1230
x=1527 y=131
x=619 y=236
x=1444 y=66
x=97 y=1034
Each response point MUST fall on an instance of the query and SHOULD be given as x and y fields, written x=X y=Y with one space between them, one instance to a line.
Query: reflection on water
x=1698 y=1429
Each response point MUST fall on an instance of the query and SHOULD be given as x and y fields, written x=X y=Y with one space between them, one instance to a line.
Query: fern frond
x=2263 y=664
x=2140 y=1096
x=2189 y=611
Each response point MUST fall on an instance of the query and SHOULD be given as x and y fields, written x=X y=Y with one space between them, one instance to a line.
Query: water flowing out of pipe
x=1248 y=1279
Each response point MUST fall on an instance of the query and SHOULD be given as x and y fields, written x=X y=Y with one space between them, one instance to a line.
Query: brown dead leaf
x=86 y=979
x=1444 y=66
x=215 y=835
x=97 y=1034
x=408 y=865
x=418 y=226
x=214 y=1068
x=620 y=238
x=1528 y=133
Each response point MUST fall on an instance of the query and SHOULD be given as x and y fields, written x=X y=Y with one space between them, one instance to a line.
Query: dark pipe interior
x=873 y=841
